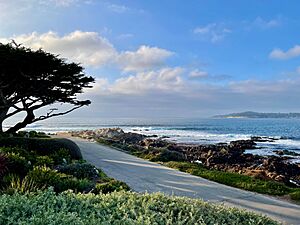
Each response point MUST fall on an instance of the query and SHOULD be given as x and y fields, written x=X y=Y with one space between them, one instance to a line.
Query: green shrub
x=110 y=186
x=43 y=146
x=18 y=164
x=295 y=195
x=3 y=164
x=43 y=175
x=80 y=170
x=44 y=161
x=119 y=208
x=16 y=184
x=31 y=134
x=27 y=154
x=61 y=156
x=165 y=155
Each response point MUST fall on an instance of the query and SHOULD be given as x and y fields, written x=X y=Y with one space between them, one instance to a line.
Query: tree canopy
x=33 y=79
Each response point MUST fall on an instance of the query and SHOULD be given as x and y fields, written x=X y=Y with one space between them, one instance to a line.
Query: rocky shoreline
x=230 y=157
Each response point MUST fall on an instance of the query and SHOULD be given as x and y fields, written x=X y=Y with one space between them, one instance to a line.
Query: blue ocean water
x=202 y=131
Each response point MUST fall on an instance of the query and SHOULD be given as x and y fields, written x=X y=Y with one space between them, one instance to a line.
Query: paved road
x=143 y=176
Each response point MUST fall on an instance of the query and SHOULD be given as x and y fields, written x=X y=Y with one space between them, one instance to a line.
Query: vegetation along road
x=142 y=176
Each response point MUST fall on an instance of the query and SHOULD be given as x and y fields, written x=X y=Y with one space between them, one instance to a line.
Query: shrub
x=43 y=146
x=3 y=164
x=28 y=155
x=295 y=195
x=119 y=208
x=110 y=186
x=44 y=161
x=16 y=184
x=43 y=175
x=18 y=164
x=61 y=156
x=80 y=170
x=165 y=155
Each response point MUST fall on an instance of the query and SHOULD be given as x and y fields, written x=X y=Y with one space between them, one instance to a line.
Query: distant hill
x=259 y=115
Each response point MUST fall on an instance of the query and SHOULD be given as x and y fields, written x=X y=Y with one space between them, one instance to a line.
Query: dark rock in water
x=279 y=152
x=242 y=144
x=286 y=152
x=263 y=139
x=165 y=137
x=153 y=136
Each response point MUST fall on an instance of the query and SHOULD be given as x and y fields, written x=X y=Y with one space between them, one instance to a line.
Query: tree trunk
x=28 y=120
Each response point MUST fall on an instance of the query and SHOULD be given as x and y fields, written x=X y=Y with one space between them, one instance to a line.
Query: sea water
x=193 y=131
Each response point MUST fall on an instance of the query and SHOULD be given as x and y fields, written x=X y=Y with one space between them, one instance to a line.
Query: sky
x=169 y=58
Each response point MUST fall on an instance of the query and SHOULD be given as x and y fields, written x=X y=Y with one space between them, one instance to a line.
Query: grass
x=237 y=180
x=118 y=208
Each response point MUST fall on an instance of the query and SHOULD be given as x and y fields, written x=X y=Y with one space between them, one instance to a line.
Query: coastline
x=222 y=160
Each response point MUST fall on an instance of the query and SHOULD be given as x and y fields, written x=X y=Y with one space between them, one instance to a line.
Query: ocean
x=197 y=131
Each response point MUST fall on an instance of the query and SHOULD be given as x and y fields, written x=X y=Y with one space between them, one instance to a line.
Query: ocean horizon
x=193 y=131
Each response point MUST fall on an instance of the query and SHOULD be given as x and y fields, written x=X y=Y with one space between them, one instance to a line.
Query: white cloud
x=118 y=8
x=85 y=47
x=258 y=87
x=165 y=93
x=91 y=49
x=144 y=58
x=214 y=32
x=198 y=74
x=165 y=80
x=290 y=53
x=262 y=23
x=59 y=3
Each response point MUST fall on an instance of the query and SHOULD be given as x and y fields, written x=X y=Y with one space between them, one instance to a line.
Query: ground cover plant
x=118 y=208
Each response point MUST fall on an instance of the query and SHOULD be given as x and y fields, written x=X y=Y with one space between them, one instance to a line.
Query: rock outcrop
x=225 y=157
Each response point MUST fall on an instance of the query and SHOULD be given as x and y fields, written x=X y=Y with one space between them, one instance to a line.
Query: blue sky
x=170 y=58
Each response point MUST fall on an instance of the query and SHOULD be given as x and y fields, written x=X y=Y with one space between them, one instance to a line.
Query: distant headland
x=250 y=114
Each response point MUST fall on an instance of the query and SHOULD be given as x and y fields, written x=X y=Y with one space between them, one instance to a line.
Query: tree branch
x=56 y=114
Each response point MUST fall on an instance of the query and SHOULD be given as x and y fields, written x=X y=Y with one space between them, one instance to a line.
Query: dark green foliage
x=165 y=155
x=44 y=161
x=28 y=155
x=18 y=164
x=80 y=170
x=30 y=169
x=43 y=146
x=45 y=176
x=31 y=134
x=110 y=186
x=61 y=156
x=31 y=80
x=3 y=164
x=295 y=195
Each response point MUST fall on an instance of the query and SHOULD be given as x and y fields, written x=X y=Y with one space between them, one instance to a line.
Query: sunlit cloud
x=282 y=55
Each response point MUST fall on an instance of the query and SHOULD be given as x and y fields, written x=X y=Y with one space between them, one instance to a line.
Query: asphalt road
x=145 y=176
